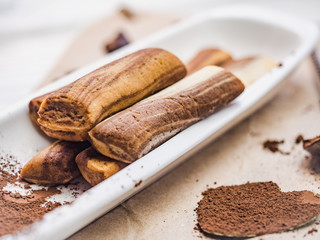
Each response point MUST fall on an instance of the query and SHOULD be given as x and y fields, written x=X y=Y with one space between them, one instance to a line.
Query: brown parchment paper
x=165 y=210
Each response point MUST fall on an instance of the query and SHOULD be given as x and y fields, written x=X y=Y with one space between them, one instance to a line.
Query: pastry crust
x=55 y=164
x=249 y=69
x=95 y=167
x=34 y=106
x=135 y=131
x=207 y=57
x=69 y=113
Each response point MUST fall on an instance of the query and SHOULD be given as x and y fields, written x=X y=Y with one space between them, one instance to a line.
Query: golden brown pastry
x=249 y=69
x=69 y=113
x=207 y=57
x=34 y=106
x=135 y=131
x=95 y=167
x=55 y=164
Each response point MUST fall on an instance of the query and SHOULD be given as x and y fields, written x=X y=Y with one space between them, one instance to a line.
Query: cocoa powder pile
x=254 y=209
x=18 y=211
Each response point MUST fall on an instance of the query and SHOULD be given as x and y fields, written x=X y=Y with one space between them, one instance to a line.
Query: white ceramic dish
x=240 y=30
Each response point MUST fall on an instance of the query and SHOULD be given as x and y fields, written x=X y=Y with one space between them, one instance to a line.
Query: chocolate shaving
x=118 y=42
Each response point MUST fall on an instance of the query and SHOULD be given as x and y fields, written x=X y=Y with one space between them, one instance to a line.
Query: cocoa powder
x=18 y=211
x=254 y=209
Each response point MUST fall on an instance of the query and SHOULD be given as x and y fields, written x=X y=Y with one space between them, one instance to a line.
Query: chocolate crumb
x=126 y=13
x=280 y=64
x=299 y=139
x=313 y=230
x=138 y=183
x=273 y=146
x=310 y=232
x=118 y=42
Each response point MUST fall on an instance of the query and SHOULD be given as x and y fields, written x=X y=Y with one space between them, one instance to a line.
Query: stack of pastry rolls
x=118 y=113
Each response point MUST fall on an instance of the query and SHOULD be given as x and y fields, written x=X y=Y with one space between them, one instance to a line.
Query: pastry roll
x=95 y=167
x=207 y=57
x=70 y=112
x=34 y=106
x=135 y=131
x=249 y=69
x=55 y=164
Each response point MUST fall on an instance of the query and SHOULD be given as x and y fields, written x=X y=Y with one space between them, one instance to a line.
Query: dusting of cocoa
x=254 y=209
x=16 y=210
x=273 y=146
